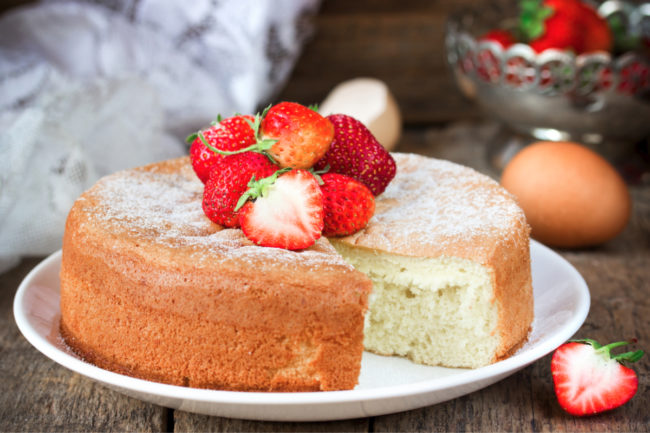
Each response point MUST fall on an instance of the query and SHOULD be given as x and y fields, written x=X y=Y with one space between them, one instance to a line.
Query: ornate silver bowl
x=555 y=95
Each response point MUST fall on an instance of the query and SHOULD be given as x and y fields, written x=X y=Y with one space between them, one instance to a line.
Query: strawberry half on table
x=588 y=379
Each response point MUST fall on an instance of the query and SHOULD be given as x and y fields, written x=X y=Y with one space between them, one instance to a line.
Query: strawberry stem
x=629 y=356
x=606 y=350
x=261 y=145
x=190 y=138
x=317 y=173
x=258 y=188
x=218 y=120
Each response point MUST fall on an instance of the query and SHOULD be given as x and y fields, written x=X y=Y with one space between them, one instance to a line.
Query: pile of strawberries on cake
x=290 y=175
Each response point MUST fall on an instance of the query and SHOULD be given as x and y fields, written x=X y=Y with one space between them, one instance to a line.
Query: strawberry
x=551 y=24
x=228 y=134
x=228 y=181
x=563 y=25
x=502 y=37
x=597 y=33
x=347 y=203
x=284 y=210
x=302 y=135
x=355 y=152
x=589 y=380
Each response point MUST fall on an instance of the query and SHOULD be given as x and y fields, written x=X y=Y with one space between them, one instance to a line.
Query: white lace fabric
x=87 y=89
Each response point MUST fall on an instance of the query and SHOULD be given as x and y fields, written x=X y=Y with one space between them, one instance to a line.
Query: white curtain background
x=89 y=88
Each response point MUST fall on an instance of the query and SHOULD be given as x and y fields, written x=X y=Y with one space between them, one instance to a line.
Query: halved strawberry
x=302 y=135
x=589 y=380
x=228 y=181
x=355 y=152
x=284 y=210
x=348 y=204
x=229 y=134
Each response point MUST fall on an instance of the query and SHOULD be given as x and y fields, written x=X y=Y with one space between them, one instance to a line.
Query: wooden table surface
x=388 y=41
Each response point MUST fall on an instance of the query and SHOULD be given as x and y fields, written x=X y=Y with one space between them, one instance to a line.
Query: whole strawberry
x=302 y=136
x=347 y=203
x=228 y=180
x=229 y=134
x=589 y=380
x=356 y=153
x=564 y=25
x=284 y=210
x=555 y=25
x=597 y=33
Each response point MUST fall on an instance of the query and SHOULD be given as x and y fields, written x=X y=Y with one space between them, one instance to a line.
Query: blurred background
x=91 y=87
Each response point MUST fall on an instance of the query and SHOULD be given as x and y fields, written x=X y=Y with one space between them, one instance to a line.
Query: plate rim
x=504 y=367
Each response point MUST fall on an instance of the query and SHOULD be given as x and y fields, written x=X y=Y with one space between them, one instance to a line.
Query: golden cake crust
x=150 y=287
x=436 y=208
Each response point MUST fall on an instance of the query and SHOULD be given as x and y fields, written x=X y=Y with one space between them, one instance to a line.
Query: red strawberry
x=564 y=25
x=348 y=204
x=597 y=34
x=228 y=181
x=229 y=134
x=355 y=152
x=552 y=24
x=501 y=37
x=285 y=210
x=303 y=136
x=588 y=379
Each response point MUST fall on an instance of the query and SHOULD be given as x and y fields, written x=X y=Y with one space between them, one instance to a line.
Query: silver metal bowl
x=555 y=95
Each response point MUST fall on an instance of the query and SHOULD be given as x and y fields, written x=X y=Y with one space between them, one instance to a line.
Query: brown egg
x=572 y=197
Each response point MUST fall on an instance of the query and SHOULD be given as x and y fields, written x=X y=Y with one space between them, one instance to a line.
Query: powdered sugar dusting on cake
x=436 y=204
x=164 y=207
x=431 y=206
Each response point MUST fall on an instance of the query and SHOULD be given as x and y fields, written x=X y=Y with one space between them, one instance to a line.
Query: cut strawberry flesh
x=289 y=216
x=587 y=382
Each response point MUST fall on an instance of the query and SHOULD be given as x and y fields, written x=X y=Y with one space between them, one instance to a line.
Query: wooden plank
x=188 y=422
x=40 y=395
x=505 y=406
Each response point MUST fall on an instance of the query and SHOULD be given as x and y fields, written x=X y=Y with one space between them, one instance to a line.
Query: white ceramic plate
x=386 y=384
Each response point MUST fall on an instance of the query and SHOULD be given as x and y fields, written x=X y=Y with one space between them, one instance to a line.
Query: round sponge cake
x=151 y=288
